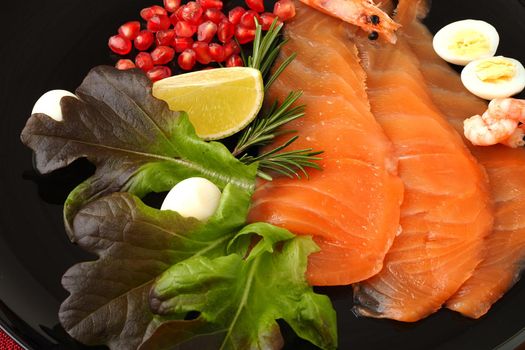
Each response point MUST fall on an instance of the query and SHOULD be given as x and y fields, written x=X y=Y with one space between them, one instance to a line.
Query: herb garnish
x=285 y=163
x=264 y=128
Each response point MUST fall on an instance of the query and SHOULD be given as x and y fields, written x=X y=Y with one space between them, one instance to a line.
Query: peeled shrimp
x=362 y=13
x=483 y=131
x=499 y=124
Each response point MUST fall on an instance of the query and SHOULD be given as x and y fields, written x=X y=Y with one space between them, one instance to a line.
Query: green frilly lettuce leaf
x=137 y=144
x=243 y=298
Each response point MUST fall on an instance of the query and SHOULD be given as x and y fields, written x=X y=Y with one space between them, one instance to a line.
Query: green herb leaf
x=136 y=142
x=238 y=295
x=108 y=302
x=271 y=235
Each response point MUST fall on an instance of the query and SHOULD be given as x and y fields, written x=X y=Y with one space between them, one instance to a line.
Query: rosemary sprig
x=265 y=51
x=265 y=127
x=284 y=163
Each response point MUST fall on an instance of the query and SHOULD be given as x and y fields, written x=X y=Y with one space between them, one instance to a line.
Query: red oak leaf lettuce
x=109 y=297
x=137 y=144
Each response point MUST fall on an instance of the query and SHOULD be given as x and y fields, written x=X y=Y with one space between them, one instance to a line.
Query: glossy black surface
x=52 y=44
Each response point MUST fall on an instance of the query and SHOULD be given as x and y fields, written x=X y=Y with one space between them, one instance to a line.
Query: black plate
x=52 y=44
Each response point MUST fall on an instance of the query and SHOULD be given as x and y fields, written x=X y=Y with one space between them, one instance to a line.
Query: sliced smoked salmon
x=446 y=211
x=351 y=207
x=504 y=250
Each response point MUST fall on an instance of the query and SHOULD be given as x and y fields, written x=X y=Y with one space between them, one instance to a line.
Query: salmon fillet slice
x=504 y=249
x=446 y=212
x=351 y=207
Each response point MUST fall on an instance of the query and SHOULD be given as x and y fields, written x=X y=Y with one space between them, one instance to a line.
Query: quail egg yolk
x=469 y=43
x=495 y=70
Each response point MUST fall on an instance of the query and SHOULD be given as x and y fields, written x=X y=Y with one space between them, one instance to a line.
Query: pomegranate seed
x=181 y=44
x=148 y=12
x=174 y=19
x=124 y=64
x=187 y=59
x=144 y=40
x=284 y=9
x=247 y=20
x=214 y=15
x=225 y=31
x=234 y=61
x=178 y=13
x=158 y=73
x=129 y=30
x=162 y=55
x=256 y=5
x=267 y=19
x=184 y=29
x=202 y=52
x=216 y=52
x=231 y=47
x=144 y=61
x=192 y=12
x=244 y=35
x=159 y=22
x=119 y=44
x=165 y=37
x=206 y=31
x=171 y=5
x=235 y=14
x=210 y=4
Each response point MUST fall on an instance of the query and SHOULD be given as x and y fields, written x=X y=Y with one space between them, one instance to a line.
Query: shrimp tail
x=362 y=13
x=517 y=138
x=408 y=11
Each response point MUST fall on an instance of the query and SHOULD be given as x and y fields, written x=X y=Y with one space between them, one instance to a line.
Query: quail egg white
x=49 y=104
x=494 y=77
x=464 y=41
x=193 y=197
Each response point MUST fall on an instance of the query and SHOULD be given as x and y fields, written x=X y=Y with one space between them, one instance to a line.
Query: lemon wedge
x=219 y=102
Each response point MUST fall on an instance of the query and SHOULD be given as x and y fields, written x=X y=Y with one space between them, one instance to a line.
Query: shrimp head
x=362 y=13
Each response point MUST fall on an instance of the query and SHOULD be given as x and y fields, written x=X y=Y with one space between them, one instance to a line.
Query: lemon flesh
x=219 y=102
